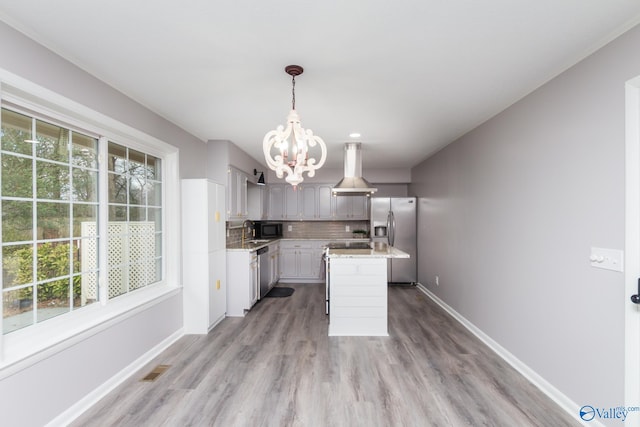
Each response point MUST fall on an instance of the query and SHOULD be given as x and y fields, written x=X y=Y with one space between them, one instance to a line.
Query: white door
x=632 y=247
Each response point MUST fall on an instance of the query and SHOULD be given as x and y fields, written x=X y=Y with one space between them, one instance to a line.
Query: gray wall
x=41 y=391
x=35 y=63
x=509 y=212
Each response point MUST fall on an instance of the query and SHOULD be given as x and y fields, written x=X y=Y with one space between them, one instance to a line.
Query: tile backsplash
x=310 y=230
x=323 y=229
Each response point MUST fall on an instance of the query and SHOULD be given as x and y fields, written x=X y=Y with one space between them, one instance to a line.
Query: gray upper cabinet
x=258 y=201
x=308 y=202
x=352 y=207
x=237 y=207
x=276 y=201
x=292 y=202
x=326 y=202
x=313 y=202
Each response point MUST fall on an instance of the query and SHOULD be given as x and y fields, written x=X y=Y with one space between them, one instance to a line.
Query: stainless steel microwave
x=268 y=230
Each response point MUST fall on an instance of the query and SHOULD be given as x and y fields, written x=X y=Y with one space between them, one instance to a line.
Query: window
x=58 y=228
x=135 y=219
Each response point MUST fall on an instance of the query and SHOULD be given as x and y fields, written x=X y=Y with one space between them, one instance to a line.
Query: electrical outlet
x=346 y=228
x=290 y=228
x=437 y=280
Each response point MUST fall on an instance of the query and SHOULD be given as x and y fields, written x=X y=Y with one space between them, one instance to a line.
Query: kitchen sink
x=254 y=241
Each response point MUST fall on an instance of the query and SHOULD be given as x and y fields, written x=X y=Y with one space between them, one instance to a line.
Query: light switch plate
x=609 y=259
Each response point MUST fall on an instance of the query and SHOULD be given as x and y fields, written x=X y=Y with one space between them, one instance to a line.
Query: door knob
x=636 y=298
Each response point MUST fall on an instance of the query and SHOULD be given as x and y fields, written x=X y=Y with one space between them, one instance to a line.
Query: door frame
x=632 y=241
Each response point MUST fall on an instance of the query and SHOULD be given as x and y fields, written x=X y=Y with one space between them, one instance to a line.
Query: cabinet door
x=306 y=259
x=308 y=204
x=273 y=266
x=288 y=263
x=216 y=216
x=276 y=267
x=292 y=202
x=253 y=282
x=241 y=194
x=217 y=286
x=343 y=207
x=232 y=194
x=274 y=256
x=237 y=206
x=326 y=202
x=352 y=207
x=359 y=207
x=256 y=201
x=264 y=198
x=276 y=201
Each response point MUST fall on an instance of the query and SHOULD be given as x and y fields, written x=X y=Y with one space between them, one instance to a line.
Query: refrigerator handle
x=389 y=228
x=392 y=228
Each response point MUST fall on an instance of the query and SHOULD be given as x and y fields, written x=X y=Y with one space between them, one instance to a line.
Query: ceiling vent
x=353 y=184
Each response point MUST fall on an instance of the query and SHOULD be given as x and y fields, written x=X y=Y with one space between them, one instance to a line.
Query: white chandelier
x=292 y=144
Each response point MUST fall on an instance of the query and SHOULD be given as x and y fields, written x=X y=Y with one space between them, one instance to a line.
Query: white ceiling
x=410 y=75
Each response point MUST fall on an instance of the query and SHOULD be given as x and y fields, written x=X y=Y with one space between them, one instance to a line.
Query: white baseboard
x=572 y=408
x=68 y=416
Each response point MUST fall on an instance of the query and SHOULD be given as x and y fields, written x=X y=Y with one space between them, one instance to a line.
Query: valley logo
x=588 y=412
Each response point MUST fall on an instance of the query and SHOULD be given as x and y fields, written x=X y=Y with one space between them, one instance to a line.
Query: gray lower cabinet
x=301 y=261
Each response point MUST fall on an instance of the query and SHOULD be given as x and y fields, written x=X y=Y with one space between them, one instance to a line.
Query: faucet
x=249 y=223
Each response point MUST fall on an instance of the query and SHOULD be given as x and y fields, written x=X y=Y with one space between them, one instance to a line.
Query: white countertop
x=379 y=250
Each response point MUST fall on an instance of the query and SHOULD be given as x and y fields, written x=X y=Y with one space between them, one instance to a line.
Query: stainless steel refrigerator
x=393 y=221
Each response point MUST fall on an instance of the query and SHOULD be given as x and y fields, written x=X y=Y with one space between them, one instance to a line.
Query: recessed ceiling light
x=354 y=135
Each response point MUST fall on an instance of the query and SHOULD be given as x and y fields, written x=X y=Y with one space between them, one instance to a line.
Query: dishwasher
x=264 y=272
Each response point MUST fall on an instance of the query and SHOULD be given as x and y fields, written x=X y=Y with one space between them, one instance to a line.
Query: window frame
x=36 y=342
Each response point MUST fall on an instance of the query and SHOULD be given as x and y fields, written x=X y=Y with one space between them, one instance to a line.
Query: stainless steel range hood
x=353 y=184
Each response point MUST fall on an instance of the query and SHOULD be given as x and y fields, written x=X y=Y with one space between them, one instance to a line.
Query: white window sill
x=25 y=347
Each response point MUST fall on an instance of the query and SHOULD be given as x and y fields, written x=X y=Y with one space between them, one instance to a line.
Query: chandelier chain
x=293 y=92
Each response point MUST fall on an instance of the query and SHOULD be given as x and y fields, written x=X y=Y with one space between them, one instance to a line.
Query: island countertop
x=377 y=250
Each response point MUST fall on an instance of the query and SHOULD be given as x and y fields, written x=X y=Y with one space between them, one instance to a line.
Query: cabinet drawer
x=362 y=268
x=378 y=302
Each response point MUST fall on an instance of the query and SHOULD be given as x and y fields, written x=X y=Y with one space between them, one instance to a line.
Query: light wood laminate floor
x=278 y=367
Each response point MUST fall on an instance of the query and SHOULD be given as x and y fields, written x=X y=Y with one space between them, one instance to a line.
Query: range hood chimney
x=353 y=184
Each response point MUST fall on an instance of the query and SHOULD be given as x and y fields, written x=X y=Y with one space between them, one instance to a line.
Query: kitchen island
x=357 y=289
